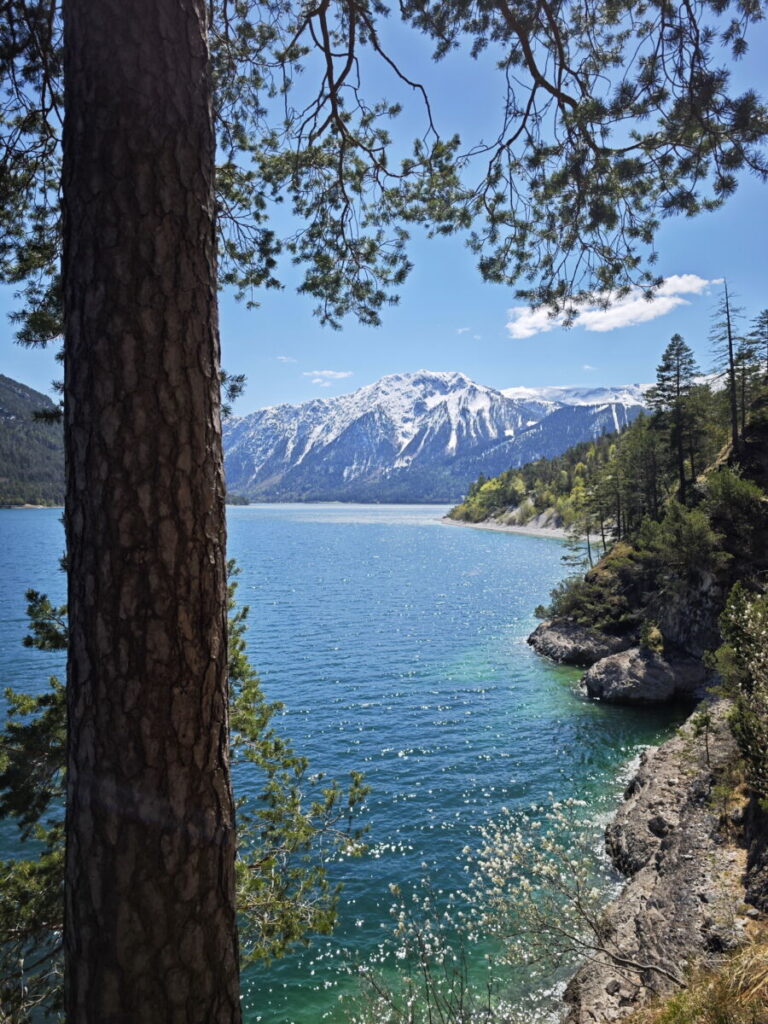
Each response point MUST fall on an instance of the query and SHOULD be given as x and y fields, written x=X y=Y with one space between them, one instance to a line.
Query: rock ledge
x=571 y=644
x=641 y=676
x=684 y=900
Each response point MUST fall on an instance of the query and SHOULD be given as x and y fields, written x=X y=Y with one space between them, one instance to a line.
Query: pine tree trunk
x=150 y=927
x=680 y=450
x=731 y=373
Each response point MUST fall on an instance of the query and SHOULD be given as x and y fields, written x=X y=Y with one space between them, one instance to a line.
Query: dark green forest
x=31 y=449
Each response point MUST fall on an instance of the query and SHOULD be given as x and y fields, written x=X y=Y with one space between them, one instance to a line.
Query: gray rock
x=571 y=644
x=641 y=676
x=660 y=923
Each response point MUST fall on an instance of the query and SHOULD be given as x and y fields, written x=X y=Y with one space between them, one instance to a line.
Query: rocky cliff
x=683 y=903
x=570 y=643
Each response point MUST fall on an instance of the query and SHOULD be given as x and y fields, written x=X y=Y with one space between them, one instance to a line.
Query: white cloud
x=463 y=330
x=526 y=322
x=628 y=311
x=321 y=382
x=477 y=337
x=328 y=374
x=633 y=309
x=686 y=283
x=587 y=367
x=286 y=359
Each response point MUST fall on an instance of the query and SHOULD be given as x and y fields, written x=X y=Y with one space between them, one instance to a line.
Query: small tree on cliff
x=150 y=92
x=675 y=378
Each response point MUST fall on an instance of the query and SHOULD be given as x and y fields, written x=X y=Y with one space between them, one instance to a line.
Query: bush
x=681 y=548
x=737 y=993
x=599 y=600
x=741 y=506
x=743 y=663
x=651 y=637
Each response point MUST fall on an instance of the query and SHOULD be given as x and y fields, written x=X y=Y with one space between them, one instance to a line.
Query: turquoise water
x=397 y=644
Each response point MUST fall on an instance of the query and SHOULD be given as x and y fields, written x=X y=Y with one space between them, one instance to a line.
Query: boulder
x=571 y=644
x=642 y=676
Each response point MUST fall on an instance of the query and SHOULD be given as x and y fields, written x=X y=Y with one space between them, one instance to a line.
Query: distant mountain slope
x=561 y=429
x=409 y=437
x=31 y=452
x=626 y=394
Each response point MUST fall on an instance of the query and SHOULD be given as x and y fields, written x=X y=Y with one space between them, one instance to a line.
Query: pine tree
x=725 y=344
x=150 y=92
x=758 y=337
x=150 y=920
x=674 y=380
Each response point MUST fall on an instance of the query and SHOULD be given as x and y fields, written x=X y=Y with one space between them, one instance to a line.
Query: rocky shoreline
x=619 y=671
x=683 y=903
x=568 y=643
x=696 y=867
x=543 y=525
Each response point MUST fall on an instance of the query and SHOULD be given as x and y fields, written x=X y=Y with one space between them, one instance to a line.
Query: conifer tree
x=674 y=380
x=758 y=336
x=117 y=248
x=725 y=344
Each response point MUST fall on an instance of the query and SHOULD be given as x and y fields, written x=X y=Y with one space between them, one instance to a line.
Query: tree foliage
x=294 y=825
x=669 y=398
x=612 y=117
x=743 y=662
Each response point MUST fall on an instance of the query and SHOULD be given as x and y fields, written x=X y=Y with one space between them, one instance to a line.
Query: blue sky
x=448 y=319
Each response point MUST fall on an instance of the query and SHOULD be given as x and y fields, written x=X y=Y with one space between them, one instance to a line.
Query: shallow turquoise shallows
x=397 y=644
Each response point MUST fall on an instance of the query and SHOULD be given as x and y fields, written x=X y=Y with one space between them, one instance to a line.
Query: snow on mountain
x=408 y=437
x=628 y=394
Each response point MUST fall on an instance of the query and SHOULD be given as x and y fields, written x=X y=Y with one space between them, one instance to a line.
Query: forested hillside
x=672 y=512
x=605 y=490
x=31 y=450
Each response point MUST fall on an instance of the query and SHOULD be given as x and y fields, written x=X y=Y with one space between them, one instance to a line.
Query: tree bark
x=150 y=927
x=678 y=440
x=731 y=372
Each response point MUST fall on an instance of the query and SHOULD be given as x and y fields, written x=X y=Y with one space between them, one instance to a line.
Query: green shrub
x=741 y=506
x=597 y=600
x=651 y=636
x=680 y=548
x=743 y=662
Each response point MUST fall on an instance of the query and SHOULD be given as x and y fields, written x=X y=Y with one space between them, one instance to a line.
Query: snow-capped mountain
x=409 y=437
x=627 y=394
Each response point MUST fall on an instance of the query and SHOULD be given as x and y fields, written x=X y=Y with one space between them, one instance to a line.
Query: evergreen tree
x=294 y=822
x=747 y=372
x=759 y=339
x=674 y=380
x=725 y=344
x=643 y=455
x=149 y=93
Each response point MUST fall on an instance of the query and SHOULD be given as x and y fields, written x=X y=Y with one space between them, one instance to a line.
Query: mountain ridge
x=419 y=436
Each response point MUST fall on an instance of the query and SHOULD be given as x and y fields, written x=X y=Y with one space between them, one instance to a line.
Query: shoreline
x=683 y=898
x=547 y=532
x=26 y=508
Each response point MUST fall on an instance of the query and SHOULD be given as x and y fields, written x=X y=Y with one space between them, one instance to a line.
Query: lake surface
x=397 y=644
